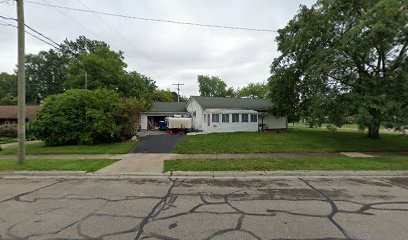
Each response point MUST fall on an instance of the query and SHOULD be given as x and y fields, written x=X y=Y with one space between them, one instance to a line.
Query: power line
x=73 y=19
x=178 y=90
x=154 y=19
x=42 y=35
x=123 y=37
x=34 y=36
x=42 y=40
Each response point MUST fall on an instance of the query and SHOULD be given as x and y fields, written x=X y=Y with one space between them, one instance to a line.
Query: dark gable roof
x=10 y=112
x=177 y=107
x=233 y=103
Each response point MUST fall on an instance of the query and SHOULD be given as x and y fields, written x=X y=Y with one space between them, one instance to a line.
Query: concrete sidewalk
x=136 y=163
x=14 y=144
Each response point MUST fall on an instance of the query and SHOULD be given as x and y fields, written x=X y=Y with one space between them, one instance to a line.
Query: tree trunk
x=374 y=131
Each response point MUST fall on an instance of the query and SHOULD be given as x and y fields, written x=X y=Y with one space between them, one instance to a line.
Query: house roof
x=233 y=103
x=10 y=112
x=177 y=107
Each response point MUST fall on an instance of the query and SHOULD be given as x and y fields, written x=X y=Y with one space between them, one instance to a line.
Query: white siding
x=273 y=122
x=231 y=126
x=200 y=121
x=143 y=121
x=198 y=117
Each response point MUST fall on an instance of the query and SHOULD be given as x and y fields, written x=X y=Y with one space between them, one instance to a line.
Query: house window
x=225 y=118
x=235 y=117
x=244 y=117
x=215 y=118
x=254 y=118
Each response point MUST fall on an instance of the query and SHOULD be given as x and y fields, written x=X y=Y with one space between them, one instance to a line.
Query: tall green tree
x=45 y=75
x=103 y=68
x=343 y=59
x=254 y=91
x=160 y=95
x=213 y=87
x=8 y=89
x=134 y=84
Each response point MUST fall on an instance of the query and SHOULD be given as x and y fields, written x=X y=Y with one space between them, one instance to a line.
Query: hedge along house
x=220 y=114
x=159 y=111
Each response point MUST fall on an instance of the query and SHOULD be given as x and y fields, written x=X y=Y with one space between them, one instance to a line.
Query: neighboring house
x=8 y=114
x=220 y=114
x=159 y=111
x=217 y=114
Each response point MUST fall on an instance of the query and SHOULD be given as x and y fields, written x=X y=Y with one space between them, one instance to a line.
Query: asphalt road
x=163 y=143
x=278 y=208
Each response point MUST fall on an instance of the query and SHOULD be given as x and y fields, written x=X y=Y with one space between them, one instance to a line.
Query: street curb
x=207 y=175
x=289 y=173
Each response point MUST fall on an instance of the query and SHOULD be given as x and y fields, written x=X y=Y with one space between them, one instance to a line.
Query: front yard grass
x=89 y=165
x=289 y=164
x=41 y=148
x=293 y=140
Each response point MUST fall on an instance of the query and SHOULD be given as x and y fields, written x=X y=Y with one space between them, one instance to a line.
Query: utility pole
x=21 y=113
x=178 y=90
x=86 y=100
x=86 y=80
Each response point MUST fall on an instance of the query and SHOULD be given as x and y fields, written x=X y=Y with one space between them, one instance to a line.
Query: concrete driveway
x=163 y=143
x=276 y=208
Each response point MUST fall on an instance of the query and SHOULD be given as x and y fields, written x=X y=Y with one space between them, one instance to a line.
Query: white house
x=221 y=114
x=218 y=114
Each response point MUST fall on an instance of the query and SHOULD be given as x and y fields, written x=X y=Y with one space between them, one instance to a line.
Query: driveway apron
x=158 y=143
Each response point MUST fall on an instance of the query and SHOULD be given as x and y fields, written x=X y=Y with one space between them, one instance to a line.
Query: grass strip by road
x=89 y=165
x=293 y=140
x=41 y=148
x=288 y=164
x=4 y=140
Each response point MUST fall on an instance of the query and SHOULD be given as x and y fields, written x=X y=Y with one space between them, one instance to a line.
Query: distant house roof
x=233 y=103
x=10 y=112
x=177 y=107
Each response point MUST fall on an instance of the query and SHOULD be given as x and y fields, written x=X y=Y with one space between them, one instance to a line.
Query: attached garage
x=159 y=111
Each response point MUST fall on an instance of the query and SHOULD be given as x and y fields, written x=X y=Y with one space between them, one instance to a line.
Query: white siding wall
x=198 y=119
x=274 y=122
x=230 y=126
x=143 y=121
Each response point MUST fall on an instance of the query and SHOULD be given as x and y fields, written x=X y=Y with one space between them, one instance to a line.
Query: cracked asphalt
x=271 y=208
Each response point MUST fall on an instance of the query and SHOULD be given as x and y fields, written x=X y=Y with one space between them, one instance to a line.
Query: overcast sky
x=168 y=53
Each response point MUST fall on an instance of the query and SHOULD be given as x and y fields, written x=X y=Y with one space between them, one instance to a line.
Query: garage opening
x=153 y=122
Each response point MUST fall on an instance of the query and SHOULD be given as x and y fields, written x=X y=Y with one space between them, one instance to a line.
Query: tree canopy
x=254 y=91
x=213 y=87
x=344 y=59
x=8 y=89
x=74 y=63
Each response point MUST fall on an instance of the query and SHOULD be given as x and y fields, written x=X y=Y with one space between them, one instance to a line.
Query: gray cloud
x=168 y=53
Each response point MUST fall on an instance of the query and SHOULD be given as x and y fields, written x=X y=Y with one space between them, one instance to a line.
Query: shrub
x=8 y=130
x=82 y=117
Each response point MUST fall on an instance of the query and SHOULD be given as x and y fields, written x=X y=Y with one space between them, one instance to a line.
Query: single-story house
x=218 y=114
x=8 y=114
x=221 y=114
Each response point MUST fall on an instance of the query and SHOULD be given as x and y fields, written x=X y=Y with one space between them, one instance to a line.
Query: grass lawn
x=293 y=140
x=40 y=148
x=89 y=165
x=4 y=140
x=273 y=164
